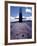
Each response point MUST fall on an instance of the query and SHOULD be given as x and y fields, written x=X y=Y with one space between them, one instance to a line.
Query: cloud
x=28 y=10
x=12 y=19
x=17 y=16
x=23 y=16
x=28 y=18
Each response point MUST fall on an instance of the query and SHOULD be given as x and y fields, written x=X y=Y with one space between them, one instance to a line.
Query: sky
x=26 y=11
